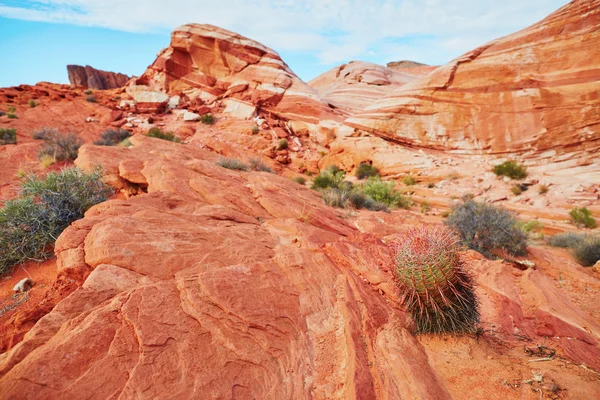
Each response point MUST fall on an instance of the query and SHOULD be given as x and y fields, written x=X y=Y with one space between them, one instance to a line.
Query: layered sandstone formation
x=534 y=92
x=92 y=78
x=355 y=85
x=400 y=65
x=226 y=284
x=206 y=63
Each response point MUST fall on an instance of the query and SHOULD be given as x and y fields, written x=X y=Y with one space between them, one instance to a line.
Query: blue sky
x=39 y=38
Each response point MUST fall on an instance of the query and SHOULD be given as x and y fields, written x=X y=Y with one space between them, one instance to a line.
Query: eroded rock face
x=92 y=78
x=355 y=85
x=535 y=92
x=210 y=63
x=400 y=65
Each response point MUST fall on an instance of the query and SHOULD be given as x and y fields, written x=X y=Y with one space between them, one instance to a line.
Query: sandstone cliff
x=92 y=78
x=533 y=92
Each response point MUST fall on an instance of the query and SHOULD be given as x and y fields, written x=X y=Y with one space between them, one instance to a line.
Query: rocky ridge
x=92 y=78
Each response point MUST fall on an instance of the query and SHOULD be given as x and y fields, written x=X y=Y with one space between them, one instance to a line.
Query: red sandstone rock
x=514 y=94
x=91 y=78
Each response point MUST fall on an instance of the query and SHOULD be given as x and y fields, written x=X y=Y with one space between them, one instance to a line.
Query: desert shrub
x=258 y=165
x=366 y=170
x=207 y=119
x=159 y=134
x=31 y=223
x=567 y=240
x=47 y=160
x=516 y=190
x=88 y=92
x=511 y=169
x=282 y=145
x=8 y=136
x=335 y=197
x=543 y=189
x=331 y=177
x=587 y=251
x=63 y=147
x=582 y=217
x=11 y=112
x=408 y=180
x=44 y=132
x=255 y=129
x=360 y=200
x=486 y=228
x=112 y=137
x=32 y=103
x=425 y=207
x=91 y=99
x=232 y=163
x=385 y=192
x=12 y=115
x=435 y=288
x=431 y=185
x=300 y=180
x=530 y=226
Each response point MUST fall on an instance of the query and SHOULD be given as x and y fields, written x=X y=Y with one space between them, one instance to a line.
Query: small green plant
x=425 y=207
x=12 y=115
x=91 y=99
x=207 y=119
x=430 y=185
x=511 y=169
x=63 y=147
x=88 y=92
x=47 y=160
x=408 y=180
x=255 y=129
x=516 y=190
x=232 y=163
x=335 y=197
x=587 y=252
x=332 y=177
x=386 y=193
x=112 y=137
x=486 y=228
x=360 y=200
x=32 y=103
x=11 y=109
x=11 y=112
x=46 y=206
x=257 y=165
x=283 y=144
x=543 y=189
x=300 y=180
x=582 y=217
x=157 y=133
x=531 y=226
x=8 y=136
x=436 y=289
x=366 y=170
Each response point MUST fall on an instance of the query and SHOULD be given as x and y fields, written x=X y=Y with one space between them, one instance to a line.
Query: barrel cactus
x=436 y=289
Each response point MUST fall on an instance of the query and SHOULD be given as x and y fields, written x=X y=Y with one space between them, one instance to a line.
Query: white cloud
x=334 y=31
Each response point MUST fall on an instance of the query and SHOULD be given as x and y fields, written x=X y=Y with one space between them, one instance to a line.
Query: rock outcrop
x=355 y=85
x=400 y=65
x=534 y=92
x=92 y=78
x=206 y=63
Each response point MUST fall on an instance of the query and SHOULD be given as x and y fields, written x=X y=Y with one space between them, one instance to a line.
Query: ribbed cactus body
x=436 y=289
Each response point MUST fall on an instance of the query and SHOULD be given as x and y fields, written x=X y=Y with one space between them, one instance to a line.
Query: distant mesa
x=398 y=65
x=92 y=78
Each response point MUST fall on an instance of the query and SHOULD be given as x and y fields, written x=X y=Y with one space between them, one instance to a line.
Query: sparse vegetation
x=62 y=147
x=585 y=247
x=91 y=99
x=360 y=200
x=425 y=207
x=567 y=240
x=531 y=226
x=32 y=103
x=11 y=112
x=486 y=228
x=386 y=193
x=543 y=189
x=332 y=177
x=257 y=165
x=282 y=145
x=2 y=113
x=516 y=190
x=8 y=136
x=207 y=119
x=581 y=216
x=112 y=137
x=408 y=180
x=436 y=290
x=335 y=197
x=366 y=170
x=255 y=129
x=159 y=134
x=88 y=92
x=30 y=224
x=511 y=169
x=47 y=160
x=300 y=180
x=232 y=163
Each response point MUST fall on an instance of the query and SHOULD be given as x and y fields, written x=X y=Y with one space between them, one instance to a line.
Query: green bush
x=88 y=92
x=157 y=133
x=408 y=180
x=516 y=190
x=360 y=200
x=63 y=147
x=32 y=103
x=31 y=223
x=207 y=119
x=335 y=197
x=300 y=180
x=232 y=163
x=8 y=136
x=91 y=99
x=587 y=252
x=567 y=240
x=435 y=288
x=12 y=115
x=283 y=144
x=112 y=137
x=511 y=169
x=255 y=129
x=258 y=165
x=385 y=192
x=486 y=228
x=582 y=217
x=332 y=177
x=366 y=170
x=543 y=189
